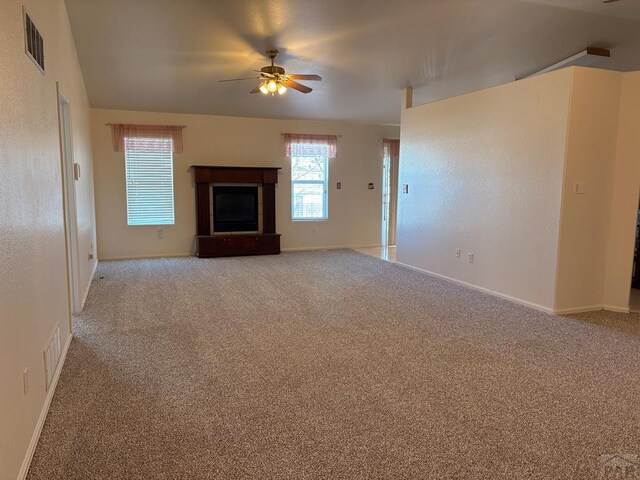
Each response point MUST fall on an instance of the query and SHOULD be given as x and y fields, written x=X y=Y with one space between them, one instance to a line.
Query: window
x=309 y=155
x=309 y=181
x=149 y=174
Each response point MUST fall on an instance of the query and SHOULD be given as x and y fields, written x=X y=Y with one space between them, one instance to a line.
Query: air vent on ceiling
x=33 y=43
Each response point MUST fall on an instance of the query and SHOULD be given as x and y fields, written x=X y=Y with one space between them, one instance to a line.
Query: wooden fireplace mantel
x=221 y=245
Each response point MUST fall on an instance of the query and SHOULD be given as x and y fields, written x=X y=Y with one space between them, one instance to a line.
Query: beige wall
x=33 y=281
x=354 y=211
x=624 y=204
x=485 y=175
x=590 y=157
x=493 y=173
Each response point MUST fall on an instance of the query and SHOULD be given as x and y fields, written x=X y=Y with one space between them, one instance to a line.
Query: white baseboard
x=143 y=257
x=481 y=289
x=614 y=308
x=591 y=308
x=26 y=463
x=88 y=287
x=335 y=247
x=290 y=249
x=582 y=309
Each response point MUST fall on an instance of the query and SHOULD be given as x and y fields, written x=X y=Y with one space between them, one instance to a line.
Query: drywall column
x=624 y=204
x=407 y=98
x=586 y=198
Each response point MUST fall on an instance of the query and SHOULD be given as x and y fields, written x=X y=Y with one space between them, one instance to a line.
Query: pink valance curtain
x=309 y=139
x=392 y=147
x=120 y=131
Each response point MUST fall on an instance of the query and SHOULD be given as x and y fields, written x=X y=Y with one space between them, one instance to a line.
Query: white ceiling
x=626 y=9
x=168 y=55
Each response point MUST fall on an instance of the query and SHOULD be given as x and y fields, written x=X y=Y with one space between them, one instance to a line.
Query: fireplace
x=235 y=209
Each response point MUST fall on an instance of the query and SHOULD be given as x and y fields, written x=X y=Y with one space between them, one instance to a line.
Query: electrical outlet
x=458 y=253
x=160 y=234
x=471 y=258
x=339 y=185
x=25 y=380
x=90 y=256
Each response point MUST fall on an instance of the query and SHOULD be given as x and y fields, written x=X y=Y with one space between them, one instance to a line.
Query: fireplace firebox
x=235 y=209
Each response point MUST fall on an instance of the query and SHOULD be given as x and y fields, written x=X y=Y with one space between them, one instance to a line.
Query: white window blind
x=149 y=171
x=309 y=181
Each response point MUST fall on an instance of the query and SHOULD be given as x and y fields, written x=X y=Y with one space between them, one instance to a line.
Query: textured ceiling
x=626 y=9
x=168 y=55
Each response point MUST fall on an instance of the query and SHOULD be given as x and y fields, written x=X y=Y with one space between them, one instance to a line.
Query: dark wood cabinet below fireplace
x=234 y=245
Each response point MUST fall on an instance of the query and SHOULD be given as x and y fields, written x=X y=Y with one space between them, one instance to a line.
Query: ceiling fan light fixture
x=273 y=79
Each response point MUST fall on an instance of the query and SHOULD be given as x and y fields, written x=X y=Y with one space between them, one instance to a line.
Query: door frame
x=69 y=202
x=386 y=198
x=635 y=280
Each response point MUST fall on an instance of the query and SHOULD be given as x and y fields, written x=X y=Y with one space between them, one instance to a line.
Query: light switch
x=25 y=381
x=405 y=188
x=580 y=188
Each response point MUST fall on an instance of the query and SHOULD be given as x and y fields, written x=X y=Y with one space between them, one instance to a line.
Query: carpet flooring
x=327 y=365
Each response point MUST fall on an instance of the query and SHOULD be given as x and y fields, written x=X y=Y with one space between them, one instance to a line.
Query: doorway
x=634 y=298
x=69 y=172
x=390 y=166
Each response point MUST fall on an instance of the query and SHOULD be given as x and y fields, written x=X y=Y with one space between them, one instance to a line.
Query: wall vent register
x=33 y=42
x=52 y=353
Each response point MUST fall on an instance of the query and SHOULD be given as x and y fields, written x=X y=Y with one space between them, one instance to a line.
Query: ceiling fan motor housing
x=273 y=70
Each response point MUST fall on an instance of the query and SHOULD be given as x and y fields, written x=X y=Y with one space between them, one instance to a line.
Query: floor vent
x=33 y=43
x=52 y=356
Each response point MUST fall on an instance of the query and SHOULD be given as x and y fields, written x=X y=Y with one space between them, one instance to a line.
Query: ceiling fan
x=274 y=79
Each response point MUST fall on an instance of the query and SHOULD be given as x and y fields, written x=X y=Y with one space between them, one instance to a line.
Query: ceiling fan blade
x=296 y=86
x=297 y=76
x=256 y=90
x=264 y=73
x=237 y=79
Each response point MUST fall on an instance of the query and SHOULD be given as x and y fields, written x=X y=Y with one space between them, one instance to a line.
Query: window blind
x=309 y=181
x=149 y=178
